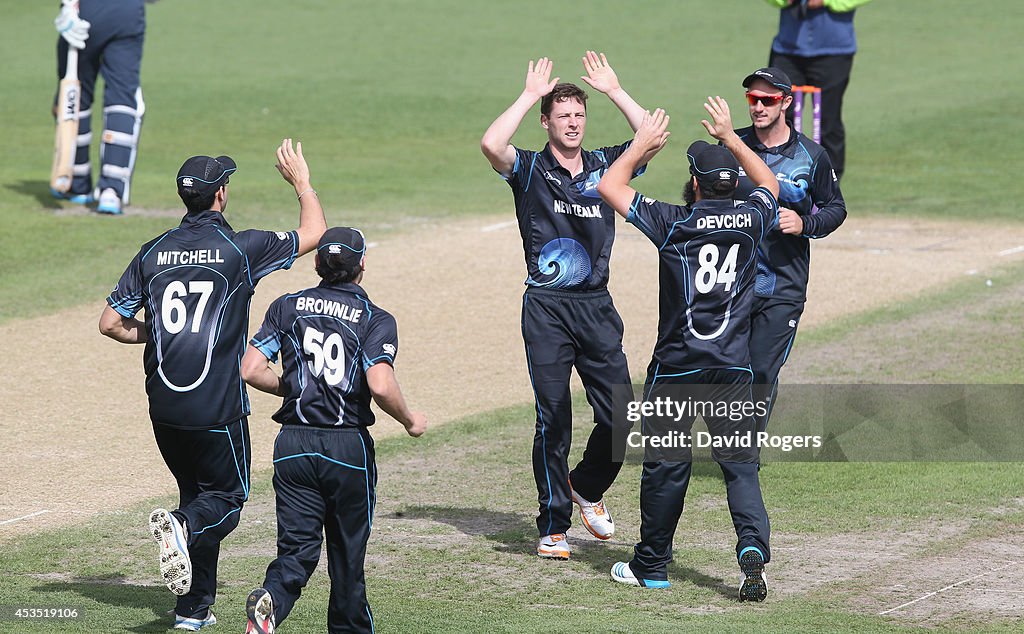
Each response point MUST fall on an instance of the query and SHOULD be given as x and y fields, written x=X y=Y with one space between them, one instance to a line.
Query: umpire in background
x=568 y=317
x=195 y=283
x=707 y=249
x=810 y=206
x=337 y=350
x=109 y=34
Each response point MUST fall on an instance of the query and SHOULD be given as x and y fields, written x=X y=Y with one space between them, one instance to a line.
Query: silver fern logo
x=563 y=263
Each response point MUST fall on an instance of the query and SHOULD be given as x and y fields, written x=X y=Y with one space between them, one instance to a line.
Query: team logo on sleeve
x=388 y=348
x=763 y=197
x=281 y=235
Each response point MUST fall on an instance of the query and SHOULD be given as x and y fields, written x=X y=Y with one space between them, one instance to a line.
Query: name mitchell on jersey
x=200 y=256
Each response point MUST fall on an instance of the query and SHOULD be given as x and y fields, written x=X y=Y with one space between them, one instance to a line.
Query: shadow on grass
x=515 y=534
x=40 y=190
x=116 y=591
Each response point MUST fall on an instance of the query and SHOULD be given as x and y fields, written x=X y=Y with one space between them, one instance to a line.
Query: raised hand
x=537 y=78
x=652 y=134
x=600 y=75
x=721 y=121
x=292 y=164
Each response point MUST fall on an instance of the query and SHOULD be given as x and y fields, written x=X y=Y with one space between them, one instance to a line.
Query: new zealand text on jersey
x=328 y=307
x=200 y=256
x=590 y=211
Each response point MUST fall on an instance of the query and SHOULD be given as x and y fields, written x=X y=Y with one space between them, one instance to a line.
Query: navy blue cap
x=342 y=247
x=712 y=163
x=204 y=174
x=774 y=76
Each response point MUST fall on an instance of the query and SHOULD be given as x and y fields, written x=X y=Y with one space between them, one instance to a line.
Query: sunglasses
x=766 y=100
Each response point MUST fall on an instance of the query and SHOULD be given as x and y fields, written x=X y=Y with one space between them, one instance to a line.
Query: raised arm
x=602 y=78
x=294 y=169
x=650 y=137
x=720 y=127
x=386 y=392
x=496 y=142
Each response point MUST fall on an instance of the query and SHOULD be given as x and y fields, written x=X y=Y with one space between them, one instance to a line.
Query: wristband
x=299 y=197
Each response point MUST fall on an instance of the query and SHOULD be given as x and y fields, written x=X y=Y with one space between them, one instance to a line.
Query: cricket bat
x=65 y=141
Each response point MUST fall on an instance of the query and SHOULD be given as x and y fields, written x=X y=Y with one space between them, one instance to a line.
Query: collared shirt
x=808 y=186
x=195 y=282
x=328 y=336
x=706 y=272
x=567 y=229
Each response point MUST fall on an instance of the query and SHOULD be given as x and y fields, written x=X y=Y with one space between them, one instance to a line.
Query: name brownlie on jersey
x=200 y=256
x=328 y=307
x=562 y=207
x=738 y=221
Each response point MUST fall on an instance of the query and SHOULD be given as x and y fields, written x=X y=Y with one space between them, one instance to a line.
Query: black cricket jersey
x=707 y=256
x=328 y=336
x=567 y=229
x=808 y=186
x=195 y=283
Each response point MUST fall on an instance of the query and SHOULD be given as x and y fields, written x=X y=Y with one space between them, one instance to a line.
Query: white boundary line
x=1012 y=251
x=500 y=225
x=949 y=587
x=24 y=517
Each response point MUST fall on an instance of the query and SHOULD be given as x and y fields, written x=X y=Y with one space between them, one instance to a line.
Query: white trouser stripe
x=82 y=114
x=80 y=169
x=84 y=139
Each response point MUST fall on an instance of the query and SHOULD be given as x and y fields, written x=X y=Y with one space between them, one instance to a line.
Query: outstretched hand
x=292 y=164
x=600 y=75
x=538 y=82
x=652 y=134
x=721 y=121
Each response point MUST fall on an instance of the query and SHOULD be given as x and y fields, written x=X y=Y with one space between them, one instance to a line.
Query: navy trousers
x=563 y=330
x=773 y=326
x=325 y=480
x=211 y=467
x=663 y=484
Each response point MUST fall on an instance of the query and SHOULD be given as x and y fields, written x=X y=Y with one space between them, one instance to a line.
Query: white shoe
x=175 y=565
x=622 y=573
x=194 y=625
x=754 y=583
x=109 y=202
x=259 y=609
x=596 y=518
x=553 y=547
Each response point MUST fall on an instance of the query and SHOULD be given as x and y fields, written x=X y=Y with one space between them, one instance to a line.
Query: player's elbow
x=110 y=323
x=380 y=378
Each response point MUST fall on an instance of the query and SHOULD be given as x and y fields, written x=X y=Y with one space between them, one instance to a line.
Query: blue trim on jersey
x=241 y=253
x=664 y=376
x=319 y=455
x=668 y=236
x=120 y=310
x=368 y=363
x=530 y=176
x=742 y=369
x=159 y=240
x=269 y=347
x=637 y=221
x=540 y=419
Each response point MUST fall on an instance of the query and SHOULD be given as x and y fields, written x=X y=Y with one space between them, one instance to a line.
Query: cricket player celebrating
x=568 y=318
x=810 y=206
x=195 y=282
x=337 y=349
x=707 y=251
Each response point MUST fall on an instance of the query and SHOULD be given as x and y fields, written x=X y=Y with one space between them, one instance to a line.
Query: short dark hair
x=332 y=270
x=195 y=201
x=562 y=92
x=718 y=190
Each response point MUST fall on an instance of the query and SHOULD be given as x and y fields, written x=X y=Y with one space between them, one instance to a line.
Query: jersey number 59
x=328 y=356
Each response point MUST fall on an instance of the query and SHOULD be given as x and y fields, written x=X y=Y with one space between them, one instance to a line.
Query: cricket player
x=707 y=250
x=337 y=350
x=195 y=282
x=109 y=34
x=568 y=319
x=810 y=206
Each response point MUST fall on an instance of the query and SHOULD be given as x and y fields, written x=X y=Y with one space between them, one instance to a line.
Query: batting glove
x=71 y=27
